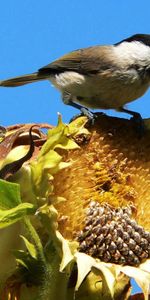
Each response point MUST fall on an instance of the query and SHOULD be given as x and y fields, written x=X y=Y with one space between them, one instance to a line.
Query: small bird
x=98 y=77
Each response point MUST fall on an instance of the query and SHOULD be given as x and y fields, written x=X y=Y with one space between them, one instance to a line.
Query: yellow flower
x=84 y=199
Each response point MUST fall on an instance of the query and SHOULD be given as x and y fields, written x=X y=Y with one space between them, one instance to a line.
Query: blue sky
x=34 y=33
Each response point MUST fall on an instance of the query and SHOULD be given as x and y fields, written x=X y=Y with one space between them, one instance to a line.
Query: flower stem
x=35 y=238
x=56 y=282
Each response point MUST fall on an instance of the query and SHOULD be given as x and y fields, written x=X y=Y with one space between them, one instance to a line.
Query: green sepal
x=49 y=161
x=10 y=216
x=21 y=257
x=30 y=247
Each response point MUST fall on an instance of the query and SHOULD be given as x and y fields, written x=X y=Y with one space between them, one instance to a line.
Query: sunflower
x=80 y=195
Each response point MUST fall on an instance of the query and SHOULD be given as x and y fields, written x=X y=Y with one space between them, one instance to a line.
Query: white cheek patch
x=133 y=52
x=68 y=78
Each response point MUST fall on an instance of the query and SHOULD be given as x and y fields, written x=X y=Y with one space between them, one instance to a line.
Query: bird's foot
x=139 y=124
x=91 y=116
x=84 y=112
x=137 y=120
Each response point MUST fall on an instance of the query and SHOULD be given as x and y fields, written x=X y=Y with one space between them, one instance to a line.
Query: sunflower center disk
x=113 y=236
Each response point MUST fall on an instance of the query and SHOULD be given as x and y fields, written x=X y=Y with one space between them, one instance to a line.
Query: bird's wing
x=85 y=61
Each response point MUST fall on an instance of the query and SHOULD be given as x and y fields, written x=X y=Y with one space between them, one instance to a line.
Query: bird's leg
x=136 y=118
x=134 y=114
x=67 y=99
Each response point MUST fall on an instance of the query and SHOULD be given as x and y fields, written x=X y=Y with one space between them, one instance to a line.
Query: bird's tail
x=25 y=79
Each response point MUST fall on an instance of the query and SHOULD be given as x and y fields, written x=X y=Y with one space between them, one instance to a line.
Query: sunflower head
x=82 y=193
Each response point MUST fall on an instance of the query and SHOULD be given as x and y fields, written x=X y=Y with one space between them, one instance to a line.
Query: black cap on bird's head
x=139 y=37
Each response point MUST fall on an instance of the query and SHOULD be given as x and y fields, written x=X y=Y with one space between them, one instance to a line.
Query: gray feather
x=21 y=80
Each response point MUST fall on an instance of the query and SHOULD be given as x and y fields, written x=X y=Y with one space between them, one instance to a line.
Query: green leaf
x=31 y=248
x=9 y=194
x=10 y=216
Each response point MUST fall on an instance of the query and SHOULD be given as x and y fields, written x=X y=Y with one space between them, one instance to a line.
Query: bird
x=98 y=77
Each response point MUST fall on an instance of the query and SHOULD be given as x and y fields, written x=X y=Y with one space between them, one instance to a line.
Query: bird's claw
x=91 y=116
x=139 y=124
x=87 y=113
x=136 y=119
